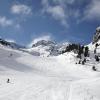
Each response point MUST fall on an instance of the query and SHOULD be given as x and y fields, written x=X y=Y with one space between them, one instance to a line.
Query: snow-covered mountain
x=95 y=44
x=61 y=77
x=46 y=78
x=39 y=48
x=47 y=48
x=44 y=43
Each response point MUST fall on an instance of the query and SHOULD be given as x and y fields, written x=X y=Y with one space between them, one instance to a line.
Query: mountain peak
x=96 y=36
x=98 y=29
x=43 y=43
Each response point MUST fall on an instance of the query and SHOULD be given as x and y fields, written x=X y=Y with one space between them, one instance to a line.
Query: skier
x=93 y=68
x=8 y=80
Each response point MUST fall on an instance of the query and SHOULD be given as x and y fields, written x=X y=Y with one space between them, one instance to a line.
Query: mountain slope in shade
x=10 y=44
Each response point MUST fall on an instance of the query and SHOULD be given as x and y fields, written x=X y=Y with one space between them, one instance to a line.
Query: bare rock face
x=96 y=36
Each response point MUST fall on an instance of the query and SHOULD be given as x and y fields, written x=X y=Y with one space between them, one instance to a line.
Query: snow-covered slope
x=46 y=78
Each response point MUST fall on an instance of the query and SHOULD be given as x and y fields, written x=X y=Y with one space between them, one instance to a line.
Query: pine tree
x=86 y=53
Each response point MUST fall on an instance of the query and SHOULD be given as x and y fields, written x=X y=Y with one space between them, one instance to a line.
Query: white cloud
x=21 y=9
x=35 y=40
x=66 y=10
x=45 y=3
x=93 y=10
x=64 y=1
x=5 y=22
x=57 y=12
x=17 y=26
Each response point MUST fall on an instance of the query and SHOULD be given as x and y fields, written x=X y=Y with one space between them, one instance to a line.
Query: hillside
x=45 y=78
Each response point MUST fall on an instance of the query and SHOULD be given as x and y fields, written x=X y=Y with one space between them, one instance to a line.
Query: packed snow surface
x=46 y=78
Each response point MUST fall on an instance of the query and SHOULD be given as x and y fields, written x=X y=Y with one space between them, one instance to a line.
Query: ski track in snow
x=79 y=90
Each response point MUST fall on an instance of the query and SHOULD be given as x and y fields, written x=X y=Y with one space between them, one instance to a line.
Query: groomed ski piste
x=46 y=78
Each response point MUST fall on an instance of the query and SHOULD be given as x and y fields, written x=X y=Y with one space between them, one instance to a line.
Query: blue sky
x=23 y=21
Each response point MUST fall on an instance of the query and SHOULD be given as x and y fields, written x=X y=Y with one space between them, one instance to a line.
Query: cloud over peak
x=44 y=37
